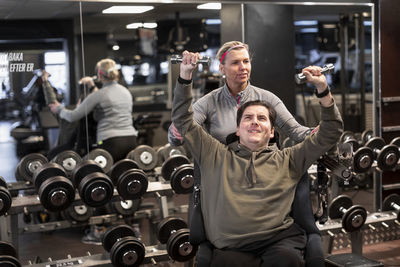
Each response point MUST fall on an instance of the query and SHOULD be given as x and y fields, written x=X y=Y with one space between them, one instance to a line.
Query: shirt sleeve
x=81 y=110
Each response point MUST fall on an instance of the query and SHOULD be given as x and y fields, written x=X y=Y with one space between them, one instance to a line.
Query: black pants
x=119 y=146
x=284 y=249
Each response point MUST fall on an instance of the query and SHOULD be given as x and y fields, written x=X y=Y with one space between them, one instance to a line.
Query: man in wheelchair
x=247 y=188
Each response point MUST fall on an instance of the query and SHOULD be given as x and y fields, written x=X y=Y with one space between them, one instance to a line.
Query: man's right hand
x=189 y=64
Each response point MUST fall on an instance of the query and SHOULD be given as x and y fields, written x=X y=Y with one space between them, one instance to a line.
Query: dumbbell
x=68 y=159
x=145 y=157
x=167 y=151
x=326 y=69
x=366 y=135
x=127 y=207
x=8 y=255
x=125 y=249
x=173 y=231
x=392 y=202
x=56 y=192
x=362 y=157
x=175 y=59
x=178 y=170
x=77 y=213
x=386 y=156
x=130 y=181
x=102 y=157
x=94 y=187
x=396 y=142
x=353 y=216
x=28 y=165
x=5 y=197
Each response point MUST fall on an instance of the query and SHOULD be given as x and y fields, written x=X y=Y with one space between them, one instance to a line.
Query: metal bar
x=391 y=129
x=390 y=99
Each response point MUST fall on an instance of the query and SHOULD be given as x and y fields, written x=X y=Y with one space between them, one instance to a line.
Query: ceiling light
x=148 y=25
x=216 y=6
x=305 y=23
x=213 y=21
x=127 y=9
x=115 y=47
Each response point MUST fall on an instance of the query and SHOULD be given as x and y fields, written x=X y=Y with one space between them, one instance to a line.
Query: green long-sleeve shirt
x=237 y=209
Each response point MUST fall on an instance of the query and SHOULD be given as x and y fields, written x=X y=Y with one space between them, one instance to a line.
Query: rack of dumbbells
x=351 y=225
x=73 y=187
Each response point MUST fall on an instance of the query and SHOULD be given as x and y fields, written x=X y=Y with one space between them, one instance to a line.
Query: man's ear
x=272 y=133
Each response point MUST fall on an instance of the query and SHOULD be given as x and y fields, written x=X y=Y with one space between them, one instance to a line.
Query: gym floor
x=61 y=243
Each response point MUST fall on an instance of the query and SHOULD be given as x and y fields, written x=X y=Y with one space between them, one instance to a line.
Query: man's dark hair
x=271 y=111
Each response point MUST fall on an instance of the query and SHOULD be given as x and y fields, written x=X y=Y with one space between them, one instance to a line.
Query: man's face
x=255 y=128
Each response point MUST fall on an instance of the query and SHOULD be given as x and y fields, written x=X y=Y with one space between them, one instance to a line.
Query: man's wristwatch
x=323 y=93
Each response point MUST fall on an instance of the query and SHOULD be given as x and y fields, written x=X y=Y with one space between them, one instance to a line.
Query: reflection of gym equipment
x=130 y=181
x=55 y=190
x=146 y=124
x=127 y=207
x=145 y=157
x=68 y=159
x=94 y=186
x=392 y=202
x=173 y=231
x=8 y=255
x=102 y=157
x=353 y=217
x=386 y=156
x=5 y=197
x=125 y=249
x=178 y=170
x=167 y=151
x=27 y=166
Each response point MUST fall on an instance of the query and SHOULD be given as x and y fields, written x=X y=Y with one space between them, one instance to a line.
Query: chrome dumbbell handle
x=326 y=69
x=175 y=59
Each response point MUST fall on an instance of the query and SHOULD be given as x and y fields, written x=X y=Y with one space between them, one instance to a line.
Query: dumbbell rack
x=153 y=256
x=332 y=230
x=9 y=228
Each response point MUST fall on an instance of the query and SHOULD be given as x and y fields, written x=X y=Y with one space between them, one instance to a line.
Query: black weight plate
x=56 y=193
x=167 y=225
x=145 y=156
x=160 y=155
x=29 y=164
x=84 y=168
x=46 y=171
x=120 y=167
x=388 y=157
x=96 y=189
x=128 y=251
x=354 y=218
x=395 y=141
x=387 y=202
x=363 y=159
x=179 y=248
x=102 y=157
x=132 y=184
x=3 y=182
x=18 y=176
x=182 y=179
x=338 y=202
x=78 y=213
x=170 y=151
x=8 y=249
x=375 y=143
x=366 y=135
x=114 y=233
x=353 y=142
x=5 y=200
x=127 y=207
x=172 y=163
x=68 y=159
x=9 y=261
x=345 y=136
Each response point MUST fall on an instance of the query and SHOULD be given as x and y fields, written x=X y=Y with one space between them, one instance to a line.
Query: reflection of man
x=247 y=187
